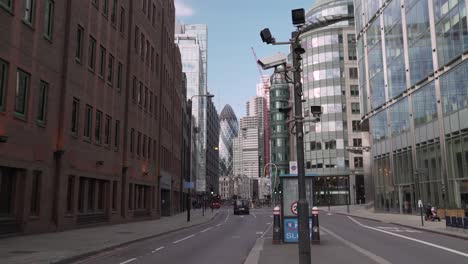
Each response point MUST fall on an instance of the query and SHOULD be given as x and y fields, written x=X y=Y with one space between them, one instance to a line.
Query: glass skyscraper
x=229 y=129
x=333 y=146
x=413 y=80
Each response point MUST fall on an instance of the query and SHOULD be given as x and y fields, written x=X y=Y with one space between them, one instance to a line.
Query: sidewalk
x=60 y=246
x=412 y=221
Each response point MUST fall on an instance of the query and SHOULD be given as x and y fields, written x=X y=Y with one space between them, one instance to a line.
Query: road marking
x=218 y=224
x=227 y=216
x=268 y=223
x=397 y=229
x=271 y=216
x=185 y=238
x=242 y=216
x=159 y=248
x=254 y=215
x=128 y=261
x=266 y=231
x=209 y=228
x=259 y=233
x=367 y=253
x=412 y=239
x=254 y=254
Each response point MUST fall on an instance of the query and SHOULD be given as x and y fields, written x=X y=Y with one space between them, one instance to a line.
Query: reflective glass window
x=399 y=117
x=424 y=105
x=379 y=126
x=454 y=89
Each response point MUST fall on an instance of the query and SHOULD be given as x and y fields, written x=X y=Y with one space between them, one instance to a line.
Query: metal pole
x=303 y=205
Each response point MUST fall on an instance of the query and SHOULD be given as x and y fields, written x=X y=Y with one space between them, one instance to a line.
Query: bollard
x=276 y=225
x=315 y=226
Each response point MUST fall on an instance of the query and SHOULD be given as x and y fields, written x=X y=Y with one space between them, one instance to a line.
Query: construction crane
x=266 y=90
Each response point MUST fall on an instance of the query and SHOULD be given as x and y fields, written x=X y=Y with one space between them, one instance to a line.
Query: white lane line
x=266 y=231
x=209 y=228
x=218 y=224
x=268 y=223
x=242 y=216
x=254 y=215
x=159 y=248
x=259 y=233
x=365 y=252
x=412 y=239
x=128 y=261
x=227 y=217
x=185 y=238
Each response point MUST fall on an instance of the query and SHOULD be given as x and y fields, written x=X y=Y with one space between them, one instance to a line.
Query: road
x=228 y=238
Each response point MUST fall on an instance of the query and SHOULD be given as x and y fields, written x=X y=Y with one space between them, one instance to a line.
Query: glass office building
x=333 y=146
x=229 y=129
x=413 y=79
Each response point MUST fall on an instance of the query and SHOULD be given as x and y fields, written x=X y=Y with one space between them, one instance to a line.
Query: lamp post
x=189 y=202
x=298 y=18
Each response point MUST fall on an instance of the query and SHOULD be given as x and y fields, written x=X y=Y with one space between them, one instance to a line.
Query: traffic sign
x=294 y=208
x=420 y=203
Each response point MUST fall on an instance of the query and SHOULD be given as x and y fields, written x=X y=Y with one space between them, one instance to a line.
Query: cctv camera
x=316 y=110
x=272 y=61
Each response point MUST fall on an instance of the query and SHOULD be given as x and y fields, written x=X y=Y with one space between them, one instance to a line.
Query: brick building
x=90 y=113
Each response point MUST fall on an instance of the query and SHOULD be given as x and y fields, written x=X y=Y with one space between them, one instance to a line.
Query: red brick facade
x=90 y=113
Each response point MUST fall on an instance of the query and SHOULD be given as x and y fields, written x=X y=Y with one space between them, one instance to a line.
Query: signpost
x=420 y=205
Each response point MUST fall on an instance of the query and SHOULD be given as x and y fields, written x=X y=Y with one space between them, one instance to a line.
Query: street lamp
x=298 y=19
x=189 y=202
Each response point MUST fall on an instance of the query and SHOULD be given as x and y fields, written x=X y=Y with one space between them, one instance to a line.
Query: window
x=154 y=16
x=149 y=148
x=101 y=195
x=91 y=189
x=152 y=58
x=36 y=193
x=147 y=52
x=107 y=130
x=105 y=7
x=140 y=94
x=134 y=88
x=117 y=134
x=97 y=129
x=102 y=61
x=110 y=74
x=154 y=150
x=88 y=120
x=143 y=8
x=151 y=102
x=22 y=89
x=75 y=113
x=358 y=162
x=7 y=4
x=70 y=193
x=92 y=53
x=352 y=55
x=79 y=44
x=155 y=105
x=139 y=144
x=137 y=35
x=28 y=11
x=49 y=19
x=330 y=144
x=132 y=139
x=142 y=46
x=146 y=98
x=7 y=187
x=355 y=108
x=144 y=146
x=149 y=10
x=3 y=83
x=114 y=196
x=353 y=73
x=130 y=196
x=42 y=106
x=81 y=194
x=357 y=142
x=122 y=20
x=356 y=126
x=354 y=90
x=315 y=145
x=114 y=11
x=119 y=77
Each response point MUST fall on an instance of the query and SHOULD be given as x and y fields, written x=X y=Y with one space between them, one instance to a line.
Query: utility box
x=289 y=198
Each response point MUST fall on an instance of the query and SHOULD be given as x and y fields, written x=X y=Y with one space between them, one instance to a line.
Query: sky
x=233 y=28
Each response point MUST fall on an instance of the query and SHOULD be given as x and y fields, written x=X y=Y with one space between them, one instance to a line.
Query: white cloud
x=183 y=10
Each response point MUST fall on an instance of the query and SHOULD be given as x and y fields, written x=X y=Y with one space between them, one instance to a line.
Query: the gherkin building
x=229 y=128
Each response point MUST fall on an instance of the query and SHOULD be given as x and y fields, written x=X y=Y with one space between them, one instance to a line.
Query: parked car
x=241 y=207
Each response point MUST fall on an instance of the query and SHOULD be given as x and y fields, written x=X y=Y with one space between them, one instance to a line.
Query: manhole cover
x=22 y=252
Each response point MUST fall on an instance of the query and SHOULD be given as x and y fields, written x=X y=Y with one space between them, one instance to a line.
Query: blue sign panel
x=188 y=185
x=291 y=230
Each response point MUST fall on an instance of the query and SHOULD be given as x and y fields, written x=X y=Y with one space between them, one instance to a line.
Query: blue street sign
x=290 y=230
x=188 y=185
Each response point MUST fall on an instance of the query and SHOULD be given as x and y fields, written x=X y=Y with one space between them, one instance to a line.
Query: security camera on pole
x=298 y=19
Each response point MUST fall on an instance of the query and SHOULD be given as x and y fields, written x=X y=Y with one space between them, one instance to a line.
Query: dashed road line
x=253 y=215
x=209 y=228
x=159 y=248
x=185 y=238
x=128 y=261
x=218 y=224
x=227 y=216
x=412 y=239
x=266 y=231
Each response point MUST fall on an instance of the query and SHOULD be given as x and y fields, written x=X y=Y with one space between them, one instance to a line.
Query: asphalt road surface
x=227 y=239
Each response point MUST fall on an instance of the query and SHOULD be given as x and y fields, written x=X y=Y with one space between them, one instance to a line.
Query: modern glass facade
x=333 y=146
x=229 y=129
x=414 y=93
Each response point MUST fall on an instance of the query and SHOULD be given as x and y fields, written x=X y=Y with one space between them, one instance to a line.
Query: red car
x=215 y=205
